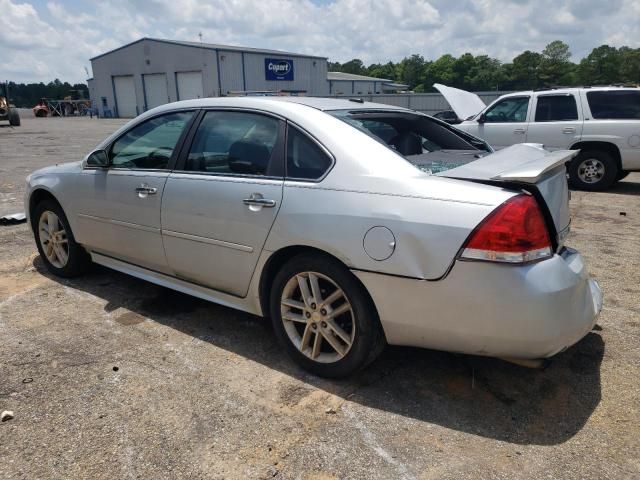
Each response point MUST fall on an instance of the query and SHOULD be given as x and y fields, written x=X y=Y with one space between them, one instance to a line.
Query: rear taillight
x=515 y=232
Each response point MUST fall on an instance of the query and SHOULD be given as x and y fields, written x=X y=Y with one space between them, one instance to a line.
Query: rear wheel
x=593 y=170
x=14 y=118
x=323 y=317
x=59 y=251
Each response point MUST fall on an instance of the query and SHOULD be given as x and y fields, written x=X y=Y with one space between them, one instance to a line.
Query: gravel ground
x=111 y=377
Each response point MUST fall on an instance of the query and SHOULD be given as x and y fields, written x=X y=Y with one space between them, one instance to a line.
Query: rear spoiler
x=533 y=171
x=521 y=163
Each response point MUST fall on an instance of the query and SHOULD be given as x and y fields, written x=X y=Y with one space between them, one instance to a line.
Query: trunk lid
x=529 y=167
x=465 y=104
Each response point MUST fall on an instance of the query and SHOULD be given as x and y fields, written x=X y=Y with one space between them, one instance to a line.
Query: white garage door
x=125 y=96
x=189 y=85
x=155 y=90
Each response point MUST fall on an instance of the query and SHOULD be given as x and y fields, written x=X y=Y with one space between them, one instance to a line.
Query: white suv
x=602 y=122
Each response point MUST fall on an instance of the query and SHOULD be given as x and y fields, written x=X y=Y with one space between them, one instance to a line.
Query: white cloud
x=42 y=42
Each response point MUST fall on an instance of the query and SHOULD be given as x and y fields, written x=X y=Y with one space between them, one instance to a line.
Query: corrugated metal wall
x=230 y=71
x=423 y=102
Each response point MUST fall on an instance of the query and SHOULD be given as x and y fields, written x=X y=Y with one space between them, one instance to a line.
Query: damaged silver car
x=351 y=225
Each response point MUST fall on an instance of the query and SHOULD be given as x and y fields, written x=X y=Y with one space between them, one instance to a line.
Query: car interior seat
x=407 y=143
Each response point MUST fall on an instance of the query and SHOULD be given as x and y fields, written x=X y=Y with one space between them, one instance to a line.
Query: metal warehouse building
x=150 y=72
x=341 y=83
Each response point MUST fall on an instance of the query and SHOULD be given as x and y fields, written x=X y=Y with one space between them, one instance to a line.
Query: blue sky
x=41 y=40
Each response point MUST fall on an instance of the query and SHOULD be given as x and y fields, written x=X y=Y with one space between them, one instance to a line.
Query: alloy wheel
x=317 y=317
x=53 y=239
x=591 y=170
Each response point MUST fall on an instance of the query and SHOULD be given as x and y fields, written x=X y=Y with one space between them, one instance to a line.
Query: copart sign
x=278 y=68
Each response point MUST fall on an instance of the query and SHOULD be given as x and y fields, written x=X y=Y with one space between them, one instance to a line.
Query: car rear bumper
x=522 y=312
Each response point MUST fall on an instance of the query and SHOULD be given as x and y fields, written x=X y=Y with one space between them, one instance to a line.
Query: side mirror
x=482 y=118
x=97 y=159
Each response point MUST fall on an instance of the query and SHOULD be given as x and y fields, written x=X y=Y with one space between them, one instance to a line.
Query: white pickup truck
x=602 y=122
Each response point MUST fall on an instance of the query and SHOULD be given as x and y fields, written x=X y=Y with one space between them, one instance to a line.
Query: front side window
x=233 y=143
x=509 y=110
x=556 y=108
x=150 y=145
x=615 y=105
x=305 y=159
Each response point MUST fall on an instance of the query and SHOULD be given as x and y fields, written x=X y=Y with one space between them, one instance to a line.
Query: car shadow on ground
x=481 y=396
x=625 y=188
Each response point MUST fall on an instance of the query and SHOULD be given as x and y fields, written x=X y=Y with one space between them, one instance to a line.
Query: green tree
x=485 y=74
x=629 y=65
x=440 y=71
x=525 y=70
x=355 y=66
x=411 y=70
x=378 y=70
x=555 y=64
x=462 y=68
x=600 y=67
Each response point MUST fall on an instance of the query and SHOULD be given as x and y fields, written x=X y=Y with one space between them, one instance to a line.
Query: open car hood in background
x=465 y=104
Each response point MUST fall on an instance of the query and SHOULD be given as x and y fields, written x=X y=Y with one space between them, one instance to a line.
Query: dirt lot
x=111 y=377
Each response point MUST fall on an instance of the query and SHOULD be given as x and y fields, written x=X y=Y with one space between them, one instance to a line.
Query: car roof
x=561 y=90
x=323 y=103
x=267 y=102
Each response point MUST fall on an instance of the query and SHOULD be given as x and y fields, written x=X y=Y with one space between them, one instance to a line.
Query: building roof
x=350 y=77
x=213 y=46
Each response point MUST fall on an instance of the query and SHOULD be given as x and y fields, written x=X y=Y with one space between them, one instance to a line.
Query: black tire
x=78 y=259
x=622 y=175
x=368 y=338
x=579 y=175
x=14 y=118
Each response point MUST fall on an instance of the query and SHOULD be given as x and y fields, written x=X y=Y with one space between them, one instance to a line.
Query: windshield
x=431 y=145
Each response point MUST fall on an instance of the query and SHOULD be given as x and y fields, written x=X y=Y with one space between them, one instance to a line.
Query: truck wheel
x=593 y=170
x=14 y=118
x=623 y=174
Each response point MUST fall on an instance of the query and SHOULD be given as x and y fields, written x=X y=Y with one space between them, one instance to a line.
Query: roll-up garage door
x=155 y=90
x=125 y=96
x=189 y=85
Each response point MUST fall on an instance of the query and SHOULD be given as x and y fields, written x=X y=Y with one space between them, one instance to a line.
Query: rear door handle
x=520 y=131
x=568 y=130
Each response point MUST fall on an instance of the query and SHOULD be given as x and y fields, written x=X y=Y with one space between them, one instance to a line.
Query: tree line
x=605 y=65
x=29 y=94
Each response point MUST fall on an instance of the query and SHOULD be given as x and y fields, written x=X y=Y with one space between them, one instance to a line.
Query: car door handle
x=520 y=131
x=144 y=190
x=568 y=130
x=260 y=202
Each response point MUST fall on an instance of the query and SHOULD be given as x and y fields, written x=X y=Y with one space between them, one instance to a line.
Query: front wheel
x=593 y=170
x=59 y=251
x=323 y=317
x=14 y=118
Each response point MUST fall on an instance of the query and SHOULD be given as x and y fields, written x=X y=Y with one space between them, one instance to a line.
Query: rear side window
x=233 y=143
x=618 y=105
x=305 y=159
x=556 y=108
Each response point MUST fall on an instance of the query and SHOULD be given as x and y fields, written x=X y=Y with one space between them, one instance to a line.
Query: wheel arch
x=278 y=258
x=37 y=196
x=607 y=147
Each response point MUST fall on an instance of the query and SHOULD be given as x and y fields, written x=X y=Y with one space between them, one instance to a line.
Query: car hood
x=465 y=104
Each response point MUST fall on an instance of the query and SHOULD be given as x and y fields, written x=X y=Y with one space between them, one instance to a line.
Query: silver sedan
x=351 y=225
